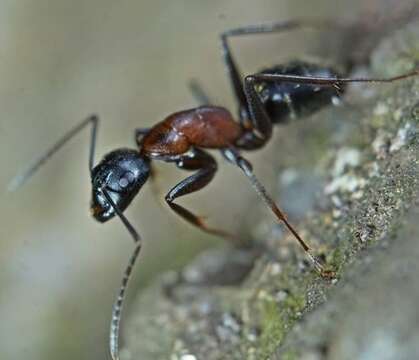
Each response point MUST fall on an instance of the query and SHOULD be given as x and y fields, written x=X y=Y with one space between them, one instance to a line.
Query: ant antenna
x=23 y=177
x=118 y=305
x=123 y=218
x=119 y=302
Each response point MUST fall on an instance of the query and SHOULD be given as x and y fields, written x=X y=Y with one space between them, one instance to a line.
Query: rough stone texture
x=357 y=176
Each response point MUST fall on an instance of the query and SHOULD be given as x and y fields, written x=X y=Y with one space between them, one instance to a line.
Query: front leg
x=206 y=165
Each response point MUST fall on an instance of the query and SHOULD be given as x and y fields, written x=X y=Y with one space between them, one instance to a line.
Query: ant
x=271 y=96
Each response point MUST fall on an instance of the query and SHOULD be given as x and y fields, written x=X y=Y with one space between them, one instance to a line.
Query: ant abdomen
x=284 y=100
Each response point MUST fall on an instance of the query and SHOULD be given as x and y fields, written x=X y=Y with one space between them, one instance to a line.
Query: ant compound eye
x=126 y=179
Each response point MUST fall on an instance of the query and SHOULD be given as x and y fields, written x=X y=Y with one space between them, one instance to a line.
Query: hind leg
x=233 y=156
x=232 y=68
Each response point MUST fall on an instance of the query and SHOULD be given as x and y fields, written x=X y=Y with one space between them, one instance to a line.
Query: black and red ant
x=266 y=98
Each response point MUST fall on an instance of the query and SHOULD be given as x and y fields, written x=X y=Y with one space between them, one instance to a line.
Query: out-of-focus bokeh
x=129 y=62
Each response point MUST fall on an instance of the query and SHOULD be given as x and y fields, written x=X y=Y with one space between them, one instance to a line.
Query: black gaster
x=284 y=101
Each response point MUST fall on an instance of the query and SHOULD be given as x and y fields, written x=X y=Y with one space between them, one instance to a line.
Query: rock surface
x=356 y=180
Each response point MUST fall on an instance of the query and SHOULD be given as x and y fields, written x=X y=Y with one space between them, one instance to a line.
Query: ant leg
x=22 y=178
x=260 y=119
x=199 y=93
x=231 y=65
x=324 y=81
x=233 y=156
x=207 y=167
x=235 y=78
x=259 y=129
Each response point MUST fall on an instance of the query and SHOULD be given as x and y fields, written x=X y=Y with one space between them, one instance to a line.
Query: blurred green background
x=129 y=62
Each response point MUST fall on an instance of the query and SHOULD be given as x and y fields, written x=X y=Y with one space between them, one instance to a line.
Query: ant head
x=121 y=173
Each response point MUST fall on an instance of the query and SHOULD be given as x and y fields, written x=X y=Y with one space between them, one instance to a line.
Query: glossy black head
x=121 y=173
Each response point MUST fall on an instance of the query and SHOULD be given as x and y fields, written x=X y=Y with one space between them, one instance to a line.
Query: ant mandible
x=266 y=98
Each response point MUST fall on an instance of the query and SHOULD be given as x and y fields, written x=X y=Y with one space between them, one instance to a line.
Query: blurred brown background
x=128 y=61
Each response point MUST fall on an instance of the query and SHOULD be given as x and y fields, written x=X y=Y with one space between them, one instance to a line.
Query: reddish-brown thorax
x=206 y=127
